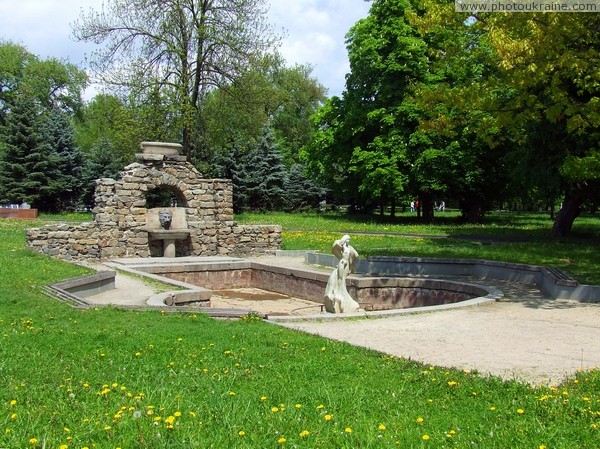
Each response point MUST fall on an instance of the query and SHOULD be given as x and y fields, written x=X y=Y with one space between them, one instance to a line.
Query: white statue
x=337 y=299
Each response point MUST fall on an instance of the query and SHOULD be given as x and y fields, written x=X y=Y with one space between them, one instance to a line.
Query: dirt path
x=536 y=342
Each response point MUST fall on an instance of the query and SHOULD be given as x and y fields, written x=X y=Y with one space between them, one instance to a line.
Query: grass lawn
x=108 y=378
x=508 y=237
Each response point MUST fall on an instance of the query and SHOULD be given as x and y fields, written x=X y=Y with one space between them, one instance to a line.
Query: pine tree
x=62 y=179
x=99 y=163
x=300 y=191
x=20 y=142
x=260 y=178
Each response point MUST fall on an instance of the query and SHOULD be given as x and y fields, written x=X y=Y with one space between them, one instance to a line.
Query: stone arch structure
x=121 y=226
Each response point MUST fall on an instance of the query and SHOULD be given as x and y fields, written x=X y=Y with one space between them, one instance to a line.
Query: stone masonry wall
x=119 y=227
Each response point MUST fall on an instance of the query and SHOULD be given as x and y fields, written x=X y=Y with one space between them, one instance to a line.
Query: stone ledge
x=85 y=286
x=553 y=282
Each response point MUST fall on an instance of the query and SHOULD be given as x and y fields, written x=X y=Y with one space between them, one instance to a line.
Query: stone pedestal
x=169 y=248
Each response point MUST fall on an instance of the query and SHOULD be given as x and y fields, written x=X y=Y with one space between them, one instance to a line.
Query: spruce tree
x=300 y=191
x=260 y=177
x=99 y=163
x=20 y=140
x=64 y=165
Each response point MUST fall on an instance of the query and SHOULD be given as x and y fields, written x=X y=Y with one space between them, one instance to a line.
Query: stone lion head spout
x=165 y=217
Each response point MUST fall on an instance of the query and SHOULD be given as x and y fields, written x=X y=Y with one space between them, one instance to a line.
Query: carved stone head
x=165 y=217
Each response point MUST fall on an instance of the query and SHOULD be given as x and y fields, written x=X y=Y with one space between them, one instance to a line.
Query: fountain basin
x=164 y=148
x=168 y=234
x=168 y=237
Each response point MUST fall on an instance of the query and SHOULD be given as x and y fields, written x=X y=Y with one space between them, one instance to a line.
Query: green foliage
x=40 y=164
x=267 y=92
x=260 y=176
x=300 y=192
x=107 y=120
x=100 y=162
x=52 y=83
x=181 y=49
x=20 y=140
x=362 y=138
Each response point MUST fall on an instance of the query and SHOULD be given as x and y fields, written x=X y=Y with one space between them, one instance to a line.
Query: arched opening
x=165 y=196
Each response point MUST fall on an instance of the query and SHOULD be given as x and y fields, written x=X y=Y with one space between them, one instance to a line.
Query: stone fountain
x=125 y=223
x=167 y=224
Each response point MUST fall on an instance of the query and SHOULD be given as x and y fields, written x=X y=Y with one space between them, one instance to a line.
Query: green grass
x=109 y=378
x=509 y=237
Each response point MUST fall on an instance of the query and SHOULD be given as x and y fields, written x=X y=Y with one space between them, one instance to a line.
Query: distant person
x=442 y=206
x=412 y=206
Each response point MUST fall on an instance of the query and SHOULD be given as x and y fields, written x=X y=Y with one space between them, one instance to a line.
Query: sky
x=315 y=31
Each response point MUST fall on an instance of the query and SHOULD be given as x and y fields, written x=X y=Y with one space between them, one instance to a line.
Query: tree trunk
x=426 y=202
x=570 y=210
x=472 y=210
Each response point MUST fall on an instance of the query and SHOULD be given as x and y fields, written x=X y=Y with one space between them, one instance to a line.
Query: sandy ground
x=525 y=336
x=538 y=344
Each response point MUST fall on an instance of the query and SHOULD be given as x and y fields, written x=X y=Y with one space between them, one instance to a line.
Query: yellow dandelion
x=420 y=420
x=520 y=411
x=304 y=433
x=320 y=407
x=493 y=408
x=63 y=446
x=13 y=403
x=263 y=398
x=348 y=430
x=232 y=393
x=274 y=409
x=328 y=417
x=381 y=427
x=298 y=405
x=281 y=440
x=452 y=383
x=33 y=441
x=425 y=437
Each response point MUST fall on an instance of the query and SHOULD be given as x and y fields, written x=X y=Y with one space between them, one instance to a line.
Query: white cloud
x=316 y=30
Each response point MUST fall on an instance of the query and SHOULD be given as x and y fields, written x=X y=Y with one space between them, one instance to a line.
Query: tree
x=363 y=138
x=284 y=97
x=182 y=47
x=52 y=83
x=100 y=162
x=62 y=185
x=300 y=192
x=40 y=164
x=20 y=141
x=550 y=62
x=259 y=179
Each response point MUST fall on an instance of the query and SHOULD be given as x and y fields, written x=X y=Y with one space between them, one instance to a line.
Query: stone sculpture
x=165 y=217
x=337 y=299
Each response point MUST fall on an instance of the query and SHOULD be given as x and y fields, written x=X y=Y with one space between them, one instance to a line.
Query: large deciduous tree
x=362 y=142
x=551 y=63
x=50 y=82
x=182 y=47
